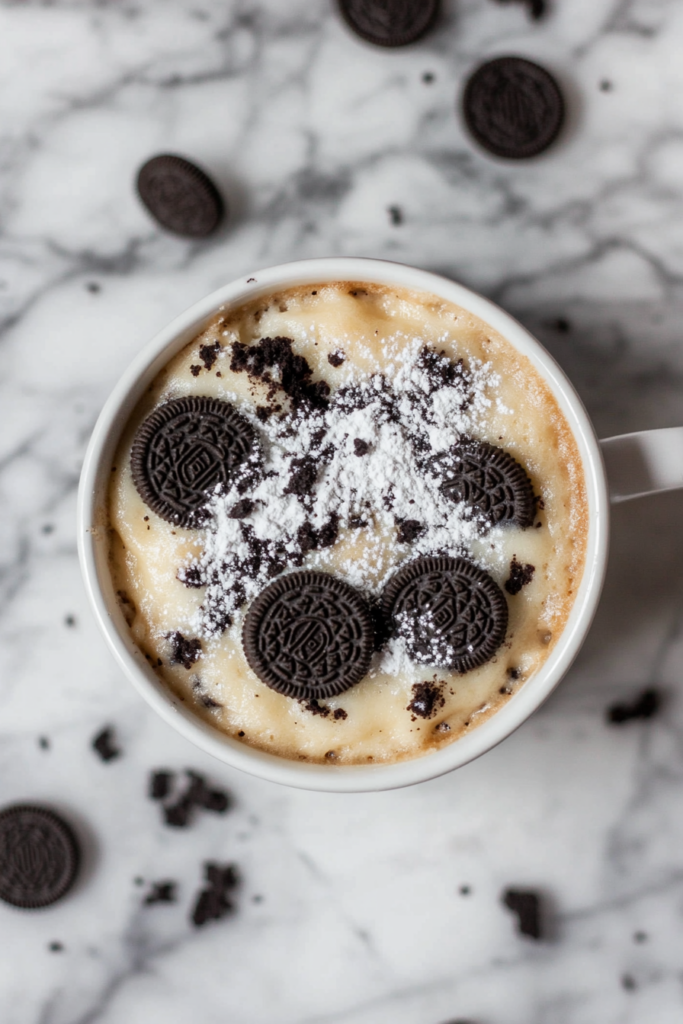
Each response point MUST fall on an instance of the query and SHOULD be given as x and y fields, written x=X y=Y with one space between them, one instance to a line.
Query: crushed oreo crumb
x=209 y=354
x=196 y=794
x=520 y=576
x=214 y=901
x=526 y=905
x=360 y=447
x=536 y=9
x=195 y=370
x=314 y=707
x=243 y=508
x=191 y=576
x=105 y=745
x=294 y=372
x=336 y=358
x=409 y=530
x=645 y=706
x=303 y=477
x=183 y=651
x=427 y=699
x=161 y=892
x=339 y=714
x=160 y=784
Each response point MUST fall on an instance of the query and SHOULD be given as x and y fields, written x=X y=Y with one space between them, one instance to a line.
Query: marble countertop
x=385 y=908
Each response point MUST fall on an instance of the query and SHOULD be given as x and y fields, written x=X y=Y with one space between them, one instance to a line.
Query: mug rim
x=92 y=530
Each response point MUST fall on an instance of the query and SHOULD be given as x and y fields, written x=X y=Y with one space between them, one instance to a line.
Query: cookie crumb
x=160 y=784
x=409 y=530
x=526 y=905
x=183 y=651
x=208 y=355
x=427 y=699
x=645 y=706
x=214 y=901
x=105 y=745
x=161 y=892
x=520 y=576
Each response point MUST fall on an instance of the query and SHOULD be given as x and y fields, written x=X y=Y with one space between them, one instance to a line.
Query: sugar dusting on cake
x=352 y=469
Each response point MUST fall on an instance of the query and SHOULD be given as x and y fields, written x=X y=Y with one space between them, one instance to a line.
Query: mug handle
x=645 y=462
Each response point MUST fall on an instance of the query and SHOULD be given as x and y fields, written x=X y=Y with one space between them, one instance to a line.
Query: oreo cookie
x=39 y=856
x=513 y=107
x=180 y=196
x=390 y=22
x=490 y=481
x=309 y=635
x=183 y=451
x=449 y=613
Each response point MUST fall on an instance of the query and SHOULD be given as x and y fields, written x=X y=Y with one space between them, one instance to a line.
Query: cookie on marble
x=390 y=22
x=39 y=856
x=180 y=196
x=513 y=107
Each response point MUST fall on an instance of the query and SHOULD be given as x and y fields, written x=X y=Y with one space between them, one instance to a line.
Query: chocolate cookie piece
x=180 y=196
x=490 y=480
x=520 y=576
x=105 y=744
x=308 y=635
x=389 y=22
x=449 y=613
x=526 y=905
x=39 y=856
x=215 y=900
x=645 y=706
x=183 y=451
x=513 y=107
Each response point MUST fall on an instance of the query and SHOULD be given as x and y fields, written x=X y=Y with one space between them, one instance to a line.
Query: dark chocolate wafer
x=513 y=107
x=309 y=634
x=180 y=196
x=448 y=612
x=490 y=481
x=183 y=451
x=390 y=22
x=39 y=856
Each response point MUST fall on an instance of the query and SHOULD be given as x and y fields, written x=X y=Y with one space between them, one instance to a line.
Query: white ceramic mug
x=636 y=464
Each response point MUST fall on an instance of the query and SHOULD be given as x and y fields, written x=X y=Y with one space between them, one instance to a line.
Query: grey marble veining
x=380 y=909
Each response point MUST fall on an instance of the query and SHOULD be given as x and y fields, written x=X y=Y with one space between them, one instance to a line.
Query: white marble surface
x=312 y=135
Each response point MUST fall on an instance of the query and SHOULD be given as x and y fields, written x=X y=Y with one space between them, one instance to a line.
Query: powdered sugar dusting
x=357 y=473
